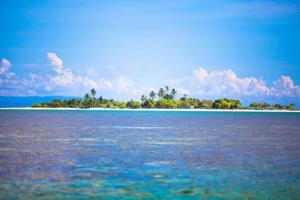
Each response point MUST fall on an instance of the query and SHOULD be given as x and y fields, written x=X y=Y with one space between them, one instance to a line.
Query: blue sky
x=206 y=49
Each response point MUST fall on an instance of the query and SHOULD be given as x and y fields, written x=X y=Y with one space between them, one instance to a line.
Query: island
x=164 y=98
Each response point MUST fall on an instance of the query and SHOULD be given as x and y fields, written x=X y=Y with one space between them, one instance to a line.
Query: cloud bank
x=61 y=80
x=65 y=79
x=202 y=83
x=226 y=83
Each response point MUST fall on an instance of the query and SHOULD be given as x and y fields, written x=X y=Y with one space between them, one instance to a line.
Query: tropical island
x=164 y=98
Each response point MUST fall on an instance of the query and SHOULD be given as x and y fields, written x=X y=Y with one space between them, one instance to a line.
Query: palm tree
x=173 y=93
x=152 y=94
x=167 y=89
x=184 y=97
x=87 y=96
x=87 y=102
x=291 y=106
x=161 y=93
x=143 y=98
x=93 y=92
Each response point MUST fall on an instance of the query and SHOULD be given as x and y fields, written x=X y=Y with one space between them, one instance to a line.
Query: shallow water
x=149 y=155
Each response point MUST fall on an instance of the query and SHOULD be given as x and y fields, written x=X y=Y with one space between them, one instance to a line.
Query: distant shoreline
x=152 y=109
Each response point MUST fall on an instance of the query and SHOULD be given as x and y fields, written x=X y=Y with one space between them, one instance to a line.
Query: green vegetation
x=226 y=104
x=164 y=98
x=263 y=106
x=260 y=106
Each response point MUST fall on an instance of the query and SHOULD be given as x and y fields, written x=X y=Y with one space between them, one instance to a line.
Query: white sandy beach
x=143 y=109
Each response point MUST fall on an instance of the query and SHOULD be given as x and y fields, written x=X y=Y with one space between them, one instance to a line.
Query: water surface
x=149 y=155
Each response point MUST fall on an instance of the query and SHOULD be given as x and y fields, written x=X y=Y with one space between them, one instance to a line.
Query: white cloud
x=123 y=85
x=201 y=83
x=69 y=83
x=86 y=82
x=285 y=86
x=64 y=81
x=56 y=62
x=9 y=85
x=64 y=77
x=226 y=83
x=6 y=77
x=5 y=69
x=5 y=65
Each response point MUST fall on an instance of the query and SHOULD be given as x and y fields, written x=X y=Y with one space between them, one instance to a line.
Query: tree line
x=264 y=106
x=163 y=98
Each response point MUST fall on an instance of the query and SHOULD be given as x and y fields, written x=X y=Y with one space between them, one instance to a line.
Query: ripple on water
x=161 y=155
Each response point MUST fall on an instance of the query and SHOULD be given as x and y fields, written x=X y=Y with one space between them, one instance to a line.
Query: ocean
x=107 y=154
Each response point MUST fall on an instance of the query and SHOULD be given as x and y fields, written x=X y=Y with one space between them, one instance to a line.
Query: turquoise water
x=149 y=155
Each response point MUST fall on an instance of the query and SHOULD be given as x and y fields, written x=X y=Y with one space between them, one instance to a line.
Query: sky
x=206 y=49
